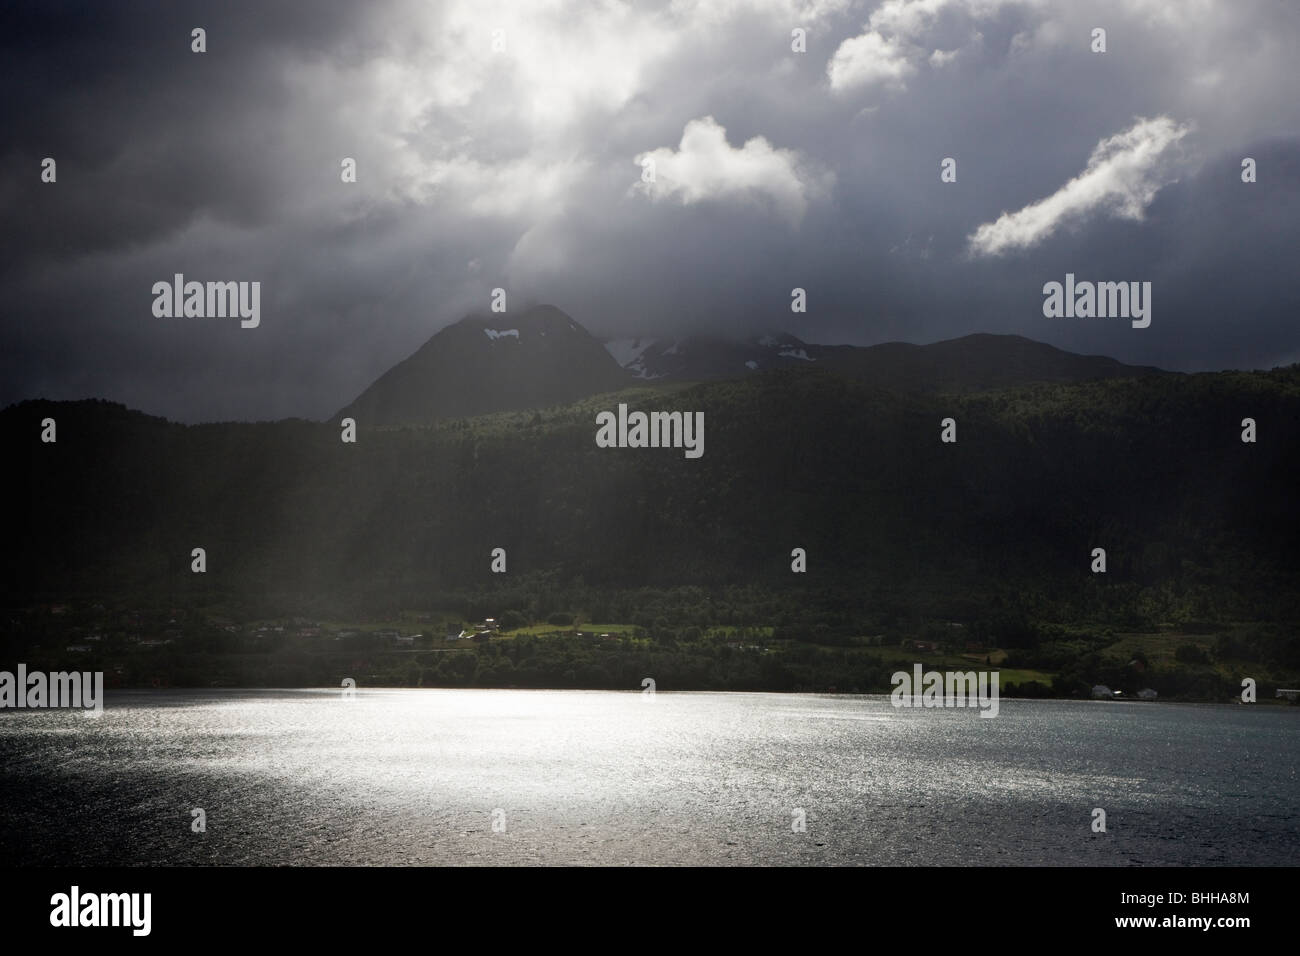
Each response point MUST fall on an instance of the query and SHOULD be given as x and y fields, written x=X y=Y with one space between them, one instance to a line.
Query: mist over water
x=413 y=777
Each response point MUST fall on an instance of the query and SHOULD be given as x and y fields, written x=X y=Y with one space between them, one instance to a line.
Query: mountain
x=973 y=362
x=990 y=539
x=1197 y=524
x=484 y=364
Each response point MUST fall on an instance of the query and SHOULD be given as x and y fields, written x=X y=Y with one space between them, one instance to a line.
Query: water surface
x=414 y=777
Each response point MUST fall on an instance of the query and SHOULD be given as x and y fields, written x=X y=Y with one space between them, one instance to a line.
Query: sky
x=653 y=168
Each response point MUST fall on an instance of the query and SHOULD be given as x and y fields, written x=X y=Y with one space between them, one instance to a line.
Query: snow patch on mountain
x=627 y=351
x=494 y=334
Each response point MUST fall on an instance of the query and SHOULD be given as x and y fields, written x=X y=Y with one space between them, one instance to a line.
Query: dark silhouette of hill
x=1152 y=468
x=972 y=362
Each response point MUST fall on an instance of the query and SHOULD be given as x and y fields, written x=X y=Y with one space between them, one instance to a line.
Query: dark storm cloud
x=517 y=168
x=147 y=134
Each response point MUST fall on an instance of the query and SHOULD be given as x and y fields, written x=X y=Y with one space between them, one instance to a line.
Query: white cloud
x=436 y=113
x=705 y=166
x=889 y=49
x=501 y=133
x=869 y=59
x=908 y=18
x=1123 y=175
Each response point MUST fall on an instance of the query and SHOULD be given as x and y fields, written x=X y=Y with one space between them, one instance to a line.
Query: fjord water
x=414 y=776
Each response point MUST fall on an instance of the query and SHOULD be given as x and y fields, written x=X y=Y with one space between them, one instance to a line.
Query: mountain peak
x=488 y=363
